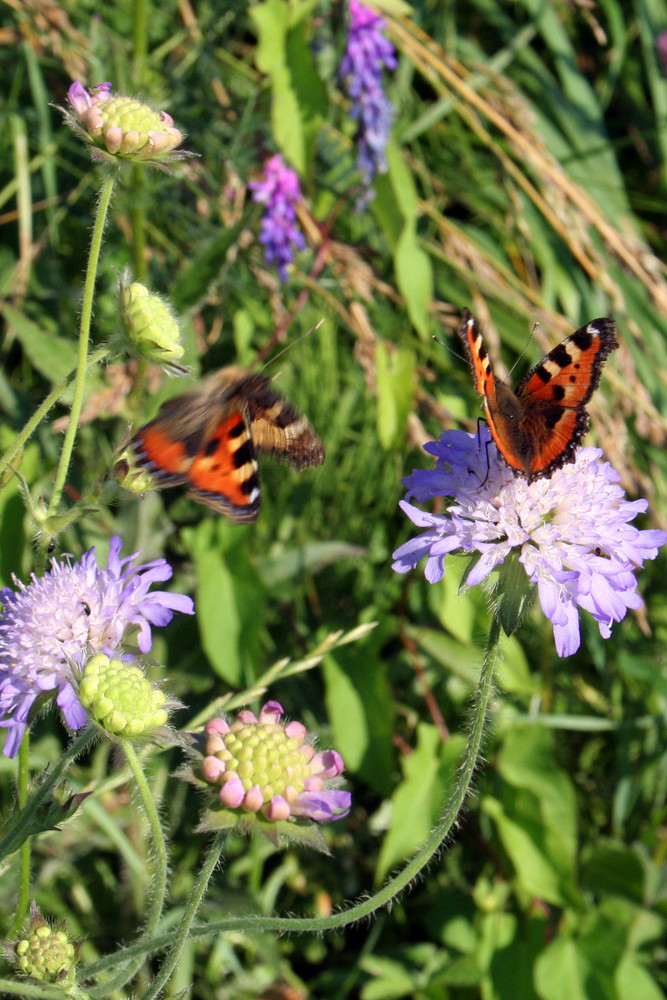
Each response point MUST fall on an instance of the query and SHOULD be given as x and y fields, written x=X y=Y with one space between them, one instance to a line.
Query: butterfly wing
x=208 y=440
x=554 y=394
x=277 y=427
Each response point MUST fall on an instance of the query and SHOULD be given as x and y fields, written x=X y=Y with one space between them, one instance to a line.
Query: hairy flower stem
x=84 y=339
x=433 y=845
x=125 y=971
x=183 y=932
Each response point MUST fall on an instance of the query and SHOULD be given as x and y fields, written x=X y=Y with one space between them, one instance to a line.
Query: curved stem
x=183 y=931
x=84 y=338
x=384 y=896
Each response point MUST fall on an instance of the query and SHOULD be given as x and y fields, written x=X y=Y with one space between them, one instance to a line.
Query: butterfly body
x=208 y=440
x=538 y=427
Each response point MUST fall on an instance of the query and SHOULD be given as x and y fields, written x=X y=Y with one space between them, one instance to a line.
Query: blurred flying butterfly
x=538 y=427
x=208 y=440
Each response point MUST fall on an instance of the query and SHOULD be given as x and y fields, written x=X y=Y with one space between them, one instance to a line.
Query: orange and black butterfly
x=208 y=440
x=538 y=427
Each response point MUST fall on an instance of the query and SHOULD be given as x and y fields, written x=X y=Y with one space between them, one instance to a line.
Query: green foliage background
x=527 y=181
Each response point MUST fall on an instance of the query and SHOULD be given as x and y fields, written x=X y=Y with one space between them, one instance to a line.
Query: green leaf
x=291 y=564
x=52 y=356
x=428 y=776
x=536 y=818
x=395 y=388
x=614 y=869
x=359 y=705
x=230 y=598
x=562 y=971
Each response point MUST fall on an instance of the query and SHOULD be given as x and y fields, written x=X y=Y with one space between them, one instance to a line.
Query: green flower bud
x=120 y=698
x=151 y=326
x=46 y=953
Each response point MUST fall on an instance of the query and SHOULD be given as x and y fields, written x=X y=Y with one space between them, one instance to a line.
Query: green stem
x=125 y=966
x=183 y=931
x=84 y=338
x=159 y=876
x=25 y=433
x=22 y=790
x=433 y=845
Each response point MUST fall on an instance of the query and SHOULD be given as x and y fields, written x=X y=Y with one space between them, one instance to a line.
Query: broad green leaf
x=395 y=389
x=414 y=277
x=634 y=982
x=53 y=356
x=615 y=870
x=428 y=778
x=563 y=973
x=229 y=601
x=359 y=705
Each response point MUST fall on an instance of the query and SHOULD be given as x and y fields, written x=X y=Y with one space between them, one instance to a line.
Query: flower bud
x=120 y=698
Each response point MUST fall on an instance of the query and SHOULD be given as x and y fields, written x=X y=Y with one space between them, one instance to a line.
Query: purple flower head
x=262 y=765
x=572 y=532
x=74 y=610
x=368 y=53
x=279 y=192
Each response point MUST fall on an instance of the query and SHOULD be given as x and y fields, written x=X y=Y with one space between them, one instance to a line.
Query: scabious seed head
x=151 y=328
x=570 y=535
x=262 y=765
x=46 y=953
x=118 y=127
x=120 y=698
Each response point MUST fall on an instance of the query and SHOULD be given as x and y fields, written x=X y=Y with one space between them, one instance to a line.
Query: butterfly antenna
x=524 y=348
x=292 y=344
x=448 y=347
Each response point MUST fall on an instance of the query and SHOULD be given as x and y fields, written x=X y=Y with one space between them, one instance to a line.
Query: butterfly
x=538 y=427
x=208 y=440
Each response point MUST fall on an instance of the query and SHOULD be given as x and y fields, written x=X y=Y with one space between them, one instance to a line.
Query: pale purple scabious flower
x=368 y=53
x=74 y=610
x=265 y=766
x=572 y=532
x=280 y=193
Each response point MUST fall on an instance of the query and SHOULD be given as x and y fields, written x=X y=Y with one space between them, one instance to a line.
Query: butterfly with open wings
x=208 y=440
x=538 y=426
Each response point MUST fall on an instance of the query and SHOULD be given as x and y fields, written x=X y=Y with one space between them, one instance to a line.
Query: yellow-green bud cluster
x=121 y=127
x=120 y=698
x=151 y=326
x=46 y=954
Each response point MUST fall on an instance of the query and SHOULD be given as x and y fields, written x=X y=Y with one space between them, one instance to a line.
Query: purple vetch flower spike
x=368 y=53
x=280 y=193
x=72 y=611
x=264 y=766
x=572 y=532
